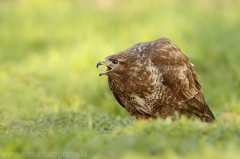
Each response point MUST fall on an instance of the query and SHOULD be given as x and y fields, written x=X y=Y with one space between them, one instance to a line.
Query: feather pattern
x=154 y=79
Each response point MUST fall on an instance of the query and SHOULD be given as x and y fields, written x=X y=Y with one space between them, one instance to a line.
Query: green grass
x=52 y=100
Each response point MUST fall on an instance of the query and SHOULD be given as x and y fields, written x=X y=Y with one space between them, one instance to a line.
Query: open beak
x=103 y=62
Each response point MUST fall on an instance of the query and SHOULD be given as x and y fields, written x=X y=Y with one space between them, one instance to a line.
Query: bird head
x=125 y=62
x=114 y=64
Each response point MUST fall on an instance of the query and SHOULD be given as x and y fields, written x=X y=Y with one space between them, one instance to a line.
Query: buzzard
x=155 y=79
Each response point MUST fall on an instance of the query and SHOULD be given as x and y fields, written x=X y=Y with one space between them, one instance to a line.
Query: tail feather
x=200 y=109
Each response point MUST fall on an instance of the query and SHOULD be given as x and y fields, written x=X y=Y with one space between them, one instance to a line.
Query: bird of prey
x=155 y=79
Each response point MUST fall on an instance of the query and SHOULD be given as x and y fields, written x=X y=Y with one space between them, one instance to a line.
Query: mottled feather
x=155 y=78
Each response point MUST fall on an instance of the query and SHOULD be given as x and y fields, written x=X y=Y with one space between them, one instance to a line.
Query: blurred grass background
x=50 y=91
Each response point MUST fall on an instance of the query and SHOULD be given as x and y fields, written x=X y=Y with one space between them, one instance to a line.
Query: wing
x=178 y=74
x=114 y=93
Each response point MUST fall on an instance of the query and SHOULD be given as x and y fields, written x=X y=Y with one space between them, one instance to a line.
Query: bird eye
x=114 y=61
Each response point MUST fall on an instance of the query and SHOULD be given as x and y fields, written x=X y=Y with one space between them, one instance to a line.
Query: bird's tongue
x=108 y=68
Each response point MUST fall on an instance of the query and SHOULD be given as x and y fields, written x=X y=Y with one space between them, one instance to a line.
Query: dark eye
x=114 y=61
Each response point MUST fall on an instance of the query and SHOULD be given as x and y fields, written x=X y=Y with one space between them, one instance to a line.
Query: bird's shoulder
x=175 y=68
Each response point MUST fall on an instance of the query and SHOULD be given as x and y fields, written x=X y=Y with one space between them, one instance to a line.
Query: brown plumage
x=155 y=78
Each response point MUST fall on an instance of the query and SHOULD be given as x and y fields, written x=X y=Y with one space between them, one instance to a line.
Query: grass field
x=53 y=104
